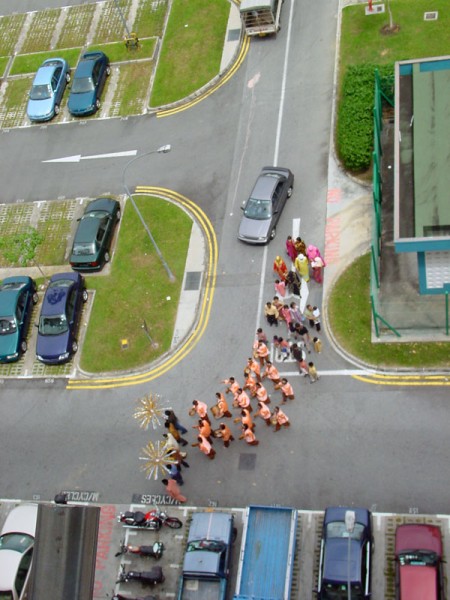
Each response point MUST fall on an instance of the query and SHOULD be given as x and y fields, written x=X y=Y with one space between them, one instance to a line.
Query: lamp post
x=350 y=517
x=162 y=150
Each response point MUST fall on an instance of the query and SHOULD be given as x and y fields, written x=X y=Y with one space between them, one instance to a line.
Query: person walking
x=282 y=347
x=316 y=261
x=286 y=315
x=204 y=429
x=317 y=345
x=312 y=313
x=250 y=383
x=261 y=393
x=264 y=412
x=263 y=353
x=312 y=372
x=248 y=436
x=255 y=368
x=271 y=314
x=286 y=390
x=271 y=372
x=175 y=473
x=226 y=435
x=222 y=407
x=299 y=356
x=232 y=384
x=175 y=433
x=171 y=417
x=302 y=331
x=242 y=400
x=201 y=408
x=300 y=246
x=173 y=490
x=302 y=266
x=205 y=447
x=296 y=315
x=280 y=268
x=280 y=419
x=261 y=336
x=280 y=288
x=246 y=419
x=293 y=283
x=290 y=248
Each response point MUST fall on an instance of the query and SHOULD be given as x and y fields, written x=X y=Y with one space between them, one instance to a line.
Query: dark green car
x=17 y=296
x=92 y=242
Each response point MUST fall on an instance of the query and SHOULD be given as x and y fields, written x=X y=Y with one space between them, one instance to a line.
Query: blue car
x=88 y=82
x=17 y=297
x=345 y=554
x=60 y=318
x=47 y=90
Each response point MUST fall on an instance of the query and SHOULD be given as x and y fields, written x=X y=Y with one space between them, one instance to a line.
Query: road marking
x=77 y=157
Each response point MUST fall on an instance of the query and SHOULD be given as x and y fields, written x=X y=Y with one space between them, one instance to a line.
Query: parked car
x=418 y=562
x=17 y=297
x=345 y=555
x=92 y=242
x=60 y=317
x=16 y=551
x=88 y=82
x=263 y=209
x=47 y=90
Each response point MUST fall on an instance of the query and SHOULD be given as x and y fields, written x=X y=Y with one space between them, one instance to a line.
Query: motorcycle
x=153 y=520
x=152 y=577
x=154 y=551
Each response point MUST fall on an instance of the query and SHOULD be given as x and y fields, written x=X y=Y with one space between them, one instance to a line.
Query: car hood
x=40 y=109
x=80 y=103
x=52 y=346
x=418 y=582
x=254 y=229
x=8 y=344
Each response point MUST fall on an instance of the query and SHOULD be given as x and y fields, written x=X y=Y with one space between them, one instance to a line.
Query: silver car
x=16 y=551
x=263 y=209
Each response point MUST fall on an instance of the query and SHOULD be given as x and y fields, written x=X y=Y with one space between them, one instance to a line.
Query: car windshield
x=420 y=558
x=84 y=249
x=337 y=529
x=259 y=210
x=54 y=325
x=209 y=545
x=19 y=542
x=7 y=325
x=41 y=92
x=332 y=591
x=82 y=85
x=13 y=285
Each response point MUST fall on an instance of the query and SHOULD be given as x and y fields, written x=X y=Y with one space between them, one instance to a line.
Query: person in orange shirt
x=227 y=436
x=204 y=429
x=242 y=400
x=264 y=412
x=248 y=436
x=201 y=409
x=246 y=419
x=272 y=373
x=232 y=384
x=250 y=383
x=263 y=353
x=222 y=406
x=261 y=393
x=205 y=447
x=254 y=367
x=286 y=390
x=281 y=418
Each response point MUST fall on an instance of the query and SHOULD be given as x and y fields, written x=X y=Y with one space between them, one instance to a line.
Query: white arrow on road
x=77 y=157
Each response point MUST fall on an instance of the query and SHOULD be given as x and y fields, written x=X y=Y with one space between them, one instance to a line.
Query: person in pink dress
x=290 y=248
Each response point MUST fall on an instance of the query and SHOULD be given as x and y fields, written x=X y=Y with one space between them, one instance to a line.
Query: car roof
x=419 y=536
x=9 y=563
x=55 y=298
x=21 y=519
x=264 y=186
x=45 y=72
x=336 y=567
x=103 y=203
x=85 y=66
x=8 y=298
x=210 y=526
x=87 y=230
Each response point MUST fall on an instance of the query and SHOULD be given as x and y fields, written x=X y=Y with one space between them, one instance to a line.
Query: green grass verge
x=138 y=288
x=192 y=49
x=30 y=63
x=350 y=320
x=3 y=62
x=150 y=18
x=118 y=52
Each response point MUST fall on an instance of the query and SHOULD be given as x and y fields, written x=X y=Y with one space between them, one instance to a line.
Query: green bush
x=355 y=118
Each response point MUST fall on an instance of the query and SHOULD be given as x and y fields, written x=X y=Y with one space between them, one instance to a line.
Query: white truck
x=260 y=17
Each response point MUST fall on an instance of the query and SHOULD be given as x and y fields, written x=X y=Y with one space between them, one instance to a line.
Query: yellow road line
x=205 y=308
x=242 y=54
x=404 y=380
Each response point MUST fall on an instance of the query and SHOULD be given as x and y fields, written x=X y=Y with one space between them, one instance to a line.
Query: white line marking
x=77 y=157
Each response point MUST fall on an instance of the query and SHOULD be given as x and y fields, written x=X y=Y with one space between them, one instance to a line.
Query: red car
x=418 y=562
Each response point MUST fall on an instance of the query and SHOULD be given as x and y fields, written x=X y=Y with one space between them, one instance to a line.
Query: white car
x=16 y=551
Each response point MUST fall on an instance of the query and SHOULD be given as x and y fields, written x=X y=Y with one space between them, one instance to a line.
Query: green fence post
x=374 y=316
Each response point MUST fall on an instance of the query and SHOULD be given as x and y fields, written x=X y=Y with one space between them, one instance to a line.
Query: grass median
x=137 y=290
x=350 y=319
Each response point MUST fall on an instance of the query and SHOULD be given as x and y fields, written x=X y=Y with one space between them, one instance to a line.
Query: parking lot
x=306 y=562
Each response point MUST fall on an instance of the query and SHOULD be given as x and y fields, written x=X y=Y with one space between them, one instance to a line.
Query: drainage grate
x=192 y=280
x=431 y=16
x=233 y=35
x=247 y=462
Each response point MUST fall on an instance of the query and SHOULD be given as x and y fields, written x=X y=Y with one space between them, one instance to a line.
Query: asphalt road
x=350 y=442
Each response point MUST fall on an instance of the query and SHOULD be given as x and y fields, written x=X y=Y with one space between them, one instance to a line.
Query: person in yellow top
x=302 y=266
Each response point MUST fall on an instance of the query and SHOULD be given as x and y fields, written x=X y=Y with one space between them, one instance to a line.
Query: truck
x=267 y=553
x=260 y=17
x=206 y=563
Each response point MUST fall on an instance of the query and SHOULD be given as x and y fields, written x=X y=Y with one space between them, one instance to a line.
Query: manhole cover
x=192 y=281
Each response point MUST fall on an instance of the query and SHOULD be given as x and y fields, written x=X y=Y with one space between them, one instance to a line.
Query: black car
x=92 y=242
x=345 y=554
x=263 y=209
x=60 y=318
x=88 y=82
